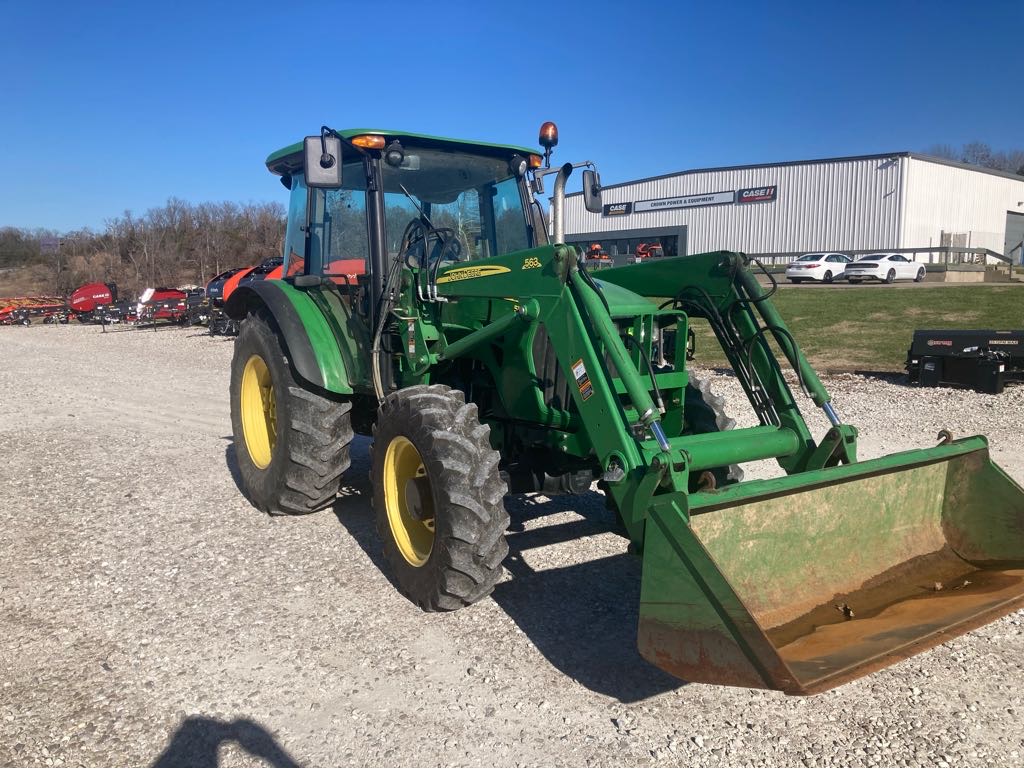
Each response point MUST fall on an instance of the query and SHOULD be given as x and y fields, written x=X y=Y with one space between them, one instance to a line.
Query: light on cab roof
x=369 y=141
x=548 y=135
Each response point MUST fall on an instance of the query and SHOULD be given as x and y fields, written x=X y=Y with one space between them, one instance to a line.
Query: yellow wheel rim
x=409 y=501
x=259 y=411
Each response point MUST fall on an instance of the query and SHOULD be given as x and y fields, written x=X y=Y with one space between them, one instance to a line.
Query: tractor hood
x=623 y=303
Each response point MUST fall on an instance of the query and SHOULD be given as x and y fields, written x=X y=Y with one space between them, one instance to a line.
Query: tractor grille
x=550 y=377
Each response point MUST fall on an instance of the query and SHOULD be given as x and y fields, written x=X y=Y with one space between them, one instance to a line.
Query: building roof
x=879 y=156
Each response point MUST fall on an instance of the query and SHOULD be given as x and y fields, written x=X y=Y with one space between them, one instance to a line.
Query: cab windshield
x=475 y=195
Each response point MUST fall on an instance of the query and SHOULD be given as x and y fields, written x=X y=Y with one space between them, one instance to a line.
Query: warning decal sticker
x=579 y=372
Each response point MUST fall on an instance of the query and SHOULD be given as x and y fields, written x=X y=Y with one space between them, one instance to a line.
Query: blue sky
x=113 y=106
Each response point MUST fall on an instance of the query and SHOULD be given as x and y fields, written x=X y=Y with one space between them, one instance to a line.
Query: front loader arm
x=622 y=435
x=720 y=288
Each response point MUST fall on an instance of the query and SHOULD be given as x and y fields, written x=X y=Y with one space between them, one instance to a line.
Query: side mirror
x=322 y=161
x=592 y=191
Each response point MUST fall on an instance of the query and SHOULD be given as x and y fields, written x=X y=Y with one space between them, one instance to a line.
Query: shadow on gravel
x=198 y=739
x=231 y=460
x=220 y=338
x=583 y=617
x=527 y=507
x=354 y=507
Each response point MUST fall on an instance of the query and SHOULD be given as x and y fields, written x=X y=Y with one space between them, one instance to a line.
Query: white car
x=885 y=268
x=824 y=267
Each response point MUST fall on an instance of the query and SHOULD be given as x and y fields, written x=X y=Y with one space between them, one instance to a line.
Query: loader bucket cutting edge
x=805 y=582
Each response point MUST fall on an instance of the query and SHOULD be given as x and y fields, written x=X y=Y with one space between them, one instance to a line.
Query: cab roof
x=289 y=159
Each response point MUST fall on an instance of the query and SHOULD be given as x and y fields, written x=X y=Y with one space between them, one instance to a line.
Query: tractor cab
x=434 y=200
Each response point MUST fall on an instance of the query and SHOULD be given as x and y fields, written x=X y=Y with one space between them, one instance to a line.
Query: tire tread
x=469 y=545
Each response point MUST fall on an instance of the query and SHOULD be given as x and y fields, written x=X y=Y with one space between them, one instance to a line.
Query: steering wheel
x=425 y=246
x=452 y=246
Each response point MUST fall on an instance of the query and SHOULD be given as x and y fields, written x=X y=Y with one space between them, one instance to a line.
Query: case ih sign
x=685 y=201
x=767 y=193
x=618 y=209
x=756 y=194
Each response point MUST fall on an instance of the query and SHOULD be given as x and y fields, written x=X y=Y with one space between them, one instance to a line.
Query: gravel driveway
x=149 y=615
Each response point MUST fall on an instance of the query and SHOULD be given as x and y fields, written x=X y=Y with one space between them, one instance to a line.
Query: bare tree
x=946 y=151
x=978 y=153
x=175 y=244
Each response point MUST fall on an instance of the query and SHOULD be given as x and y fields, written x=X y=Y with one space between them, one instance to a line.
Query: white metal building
x=894 y=202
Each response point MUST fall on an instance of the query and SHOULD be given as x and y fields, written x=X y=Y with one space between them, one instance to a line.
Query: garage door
x=1014 y=236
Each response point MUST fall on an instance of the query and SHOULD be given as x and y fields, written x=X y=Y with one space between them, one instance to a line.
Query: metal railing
x=936 y=254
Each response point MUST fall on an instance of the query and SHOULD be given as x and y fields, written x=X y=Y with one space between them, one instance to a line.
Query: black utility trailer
x=982 y=360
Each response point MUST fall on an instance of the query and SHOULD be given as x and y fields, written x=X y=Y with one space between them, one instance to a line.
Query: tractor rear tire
x=291 y=445
x=704 y=412
x=438 y=497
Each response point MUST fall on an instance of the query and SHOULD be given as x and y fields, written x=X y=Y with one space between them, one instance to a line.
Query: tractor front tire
x=438 y=497
x=704 y=412
x=291 y=444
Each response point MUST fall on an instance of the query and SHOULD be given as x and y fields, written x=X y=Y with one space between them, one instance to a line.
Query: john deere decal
x=469 y=273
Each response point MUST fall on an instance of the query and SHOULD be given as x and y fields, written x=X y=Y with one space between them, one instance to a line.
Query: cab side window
x=295 y=236
x=338 y=239
x=510 y=233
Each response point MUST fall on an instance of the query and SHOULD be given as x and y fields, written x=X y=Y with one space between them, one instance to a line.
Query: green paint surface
x=462 y=144
x=326 y=346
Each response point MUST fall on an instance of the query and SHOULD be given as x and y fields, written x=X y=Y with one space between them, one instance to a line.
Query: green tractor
x=424 y=303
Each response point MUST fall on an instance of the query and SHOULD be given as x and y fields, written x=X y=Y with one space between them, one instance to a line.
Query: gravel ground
x=150 y=615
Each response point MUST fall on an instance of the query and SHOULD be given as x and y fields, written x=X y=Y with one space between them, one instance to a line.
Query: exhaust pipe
x=558 y=204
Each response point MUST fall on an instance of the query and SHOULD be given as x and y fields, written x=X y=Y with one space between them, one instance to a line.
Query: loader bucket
x=805 y=582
